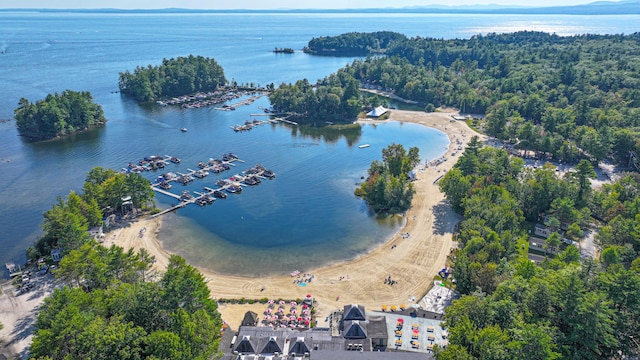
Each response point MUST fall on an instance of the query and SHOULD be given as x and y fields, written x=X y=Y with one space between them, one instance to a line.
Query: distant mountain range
x=624 y=7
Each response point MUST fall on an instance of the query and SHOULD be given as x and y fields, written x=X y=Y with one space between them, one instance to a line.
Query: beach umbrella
x=308 y=296
x=293 y=303
x=400 y=320
x=281 y=302
x=299 y=319
x=268 y=310
x=270 y=302
x=305 y=306
x=294 y=311
x=306 y=322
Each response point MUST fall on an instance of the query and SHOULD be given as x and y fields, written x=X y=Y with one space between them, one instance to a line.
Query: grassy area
x=475 y=125
x=523 y=247
x=447 y=283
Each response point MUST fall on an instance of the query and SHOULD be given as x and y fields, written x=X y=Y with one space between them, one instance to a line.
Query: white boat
x=364 y=146
x=183 y=129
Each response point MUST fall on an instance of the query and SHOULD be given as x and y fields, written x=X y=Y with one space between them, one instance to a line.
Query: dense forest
x=336 y=98
x=113 y=305
x=388 y=187
x=566 y=308
x=67 y=223
x=112 y=308
x=570 y=97
x=353 y=44
x=174 y=77
x=58 y=115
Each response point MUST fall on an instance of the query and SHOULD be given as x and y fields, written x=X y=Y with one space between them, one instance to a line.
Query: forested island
x=388 y=188
x=336 y=98
x=58 y=115
x=174 y=77
x=353 y=44
x=566 y=308
x=571 y=97
x=285 y=50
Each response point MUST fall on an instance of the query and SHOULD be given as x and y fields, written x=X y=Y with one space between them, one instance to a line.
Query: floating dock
x=234 y=184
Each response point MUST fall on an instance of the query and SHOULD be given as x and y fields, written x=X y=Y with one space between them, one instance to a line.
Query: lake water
x=305 y=217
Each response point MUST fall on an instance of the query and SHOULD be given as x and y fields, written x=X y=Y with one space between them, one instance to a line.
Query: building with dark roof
x=354 y=312
x=250 y=319
x=245 y=346
x=271 y=347
x=354 y=330
x=356 y=334
x=299 y=348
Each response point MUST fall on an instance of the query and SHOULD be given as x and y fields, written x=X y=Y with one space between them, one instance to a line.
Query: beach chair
x=430 y=328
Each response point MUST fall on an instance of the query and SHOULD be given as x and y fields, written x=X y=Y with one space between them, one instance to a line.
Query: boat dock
x=248 y=125
x=234 y=184
x=286 y=121
x=247 y=101
x=14 y=270
x=153 y=162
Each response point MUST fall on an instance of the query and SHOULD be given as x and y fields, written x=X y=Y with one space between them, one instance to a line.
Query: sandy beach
x=412 y=261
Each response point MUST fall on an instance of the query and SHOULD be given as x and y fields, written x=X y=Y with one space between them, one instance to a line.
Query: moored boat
x=268 y=174
x=164 y=185
x=201 y=173
x=185 y=195
x=219 y=194
x=234 y=189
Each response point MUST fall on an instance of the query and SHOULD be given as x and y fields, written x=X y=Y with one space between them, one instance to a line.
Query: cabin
x=539 y=245
x=56 y=255
x=542 y=230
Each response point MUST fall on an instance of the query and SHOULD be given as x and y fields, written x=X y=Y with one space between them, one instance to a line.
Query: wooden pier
x=286 y=121
x=13 y=269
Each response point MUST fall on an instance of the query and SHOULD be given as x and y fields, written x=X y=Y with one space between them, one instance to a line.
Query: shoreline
x=411 y=260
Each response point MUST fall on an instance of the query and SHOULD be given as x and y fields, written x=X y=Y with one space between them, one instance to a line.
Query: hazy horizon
x=272 y=5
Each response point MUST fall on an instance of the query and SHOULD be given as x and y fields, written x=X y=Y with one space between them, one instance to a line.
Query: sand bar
x=411 y=261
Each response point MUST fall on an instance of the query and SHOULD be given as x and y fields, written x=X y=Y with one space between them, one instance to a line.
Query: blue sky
x=267 y=4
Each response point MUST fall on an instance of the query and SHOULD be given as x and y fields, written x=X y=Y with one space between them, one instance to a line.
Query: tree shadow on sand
x=445 y=219
x=23 y=328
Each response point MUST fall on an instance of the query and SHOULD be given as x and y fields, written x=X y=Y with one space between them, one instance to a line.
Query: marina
x=233 y=185
x=248 y=125
x=223 y=95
